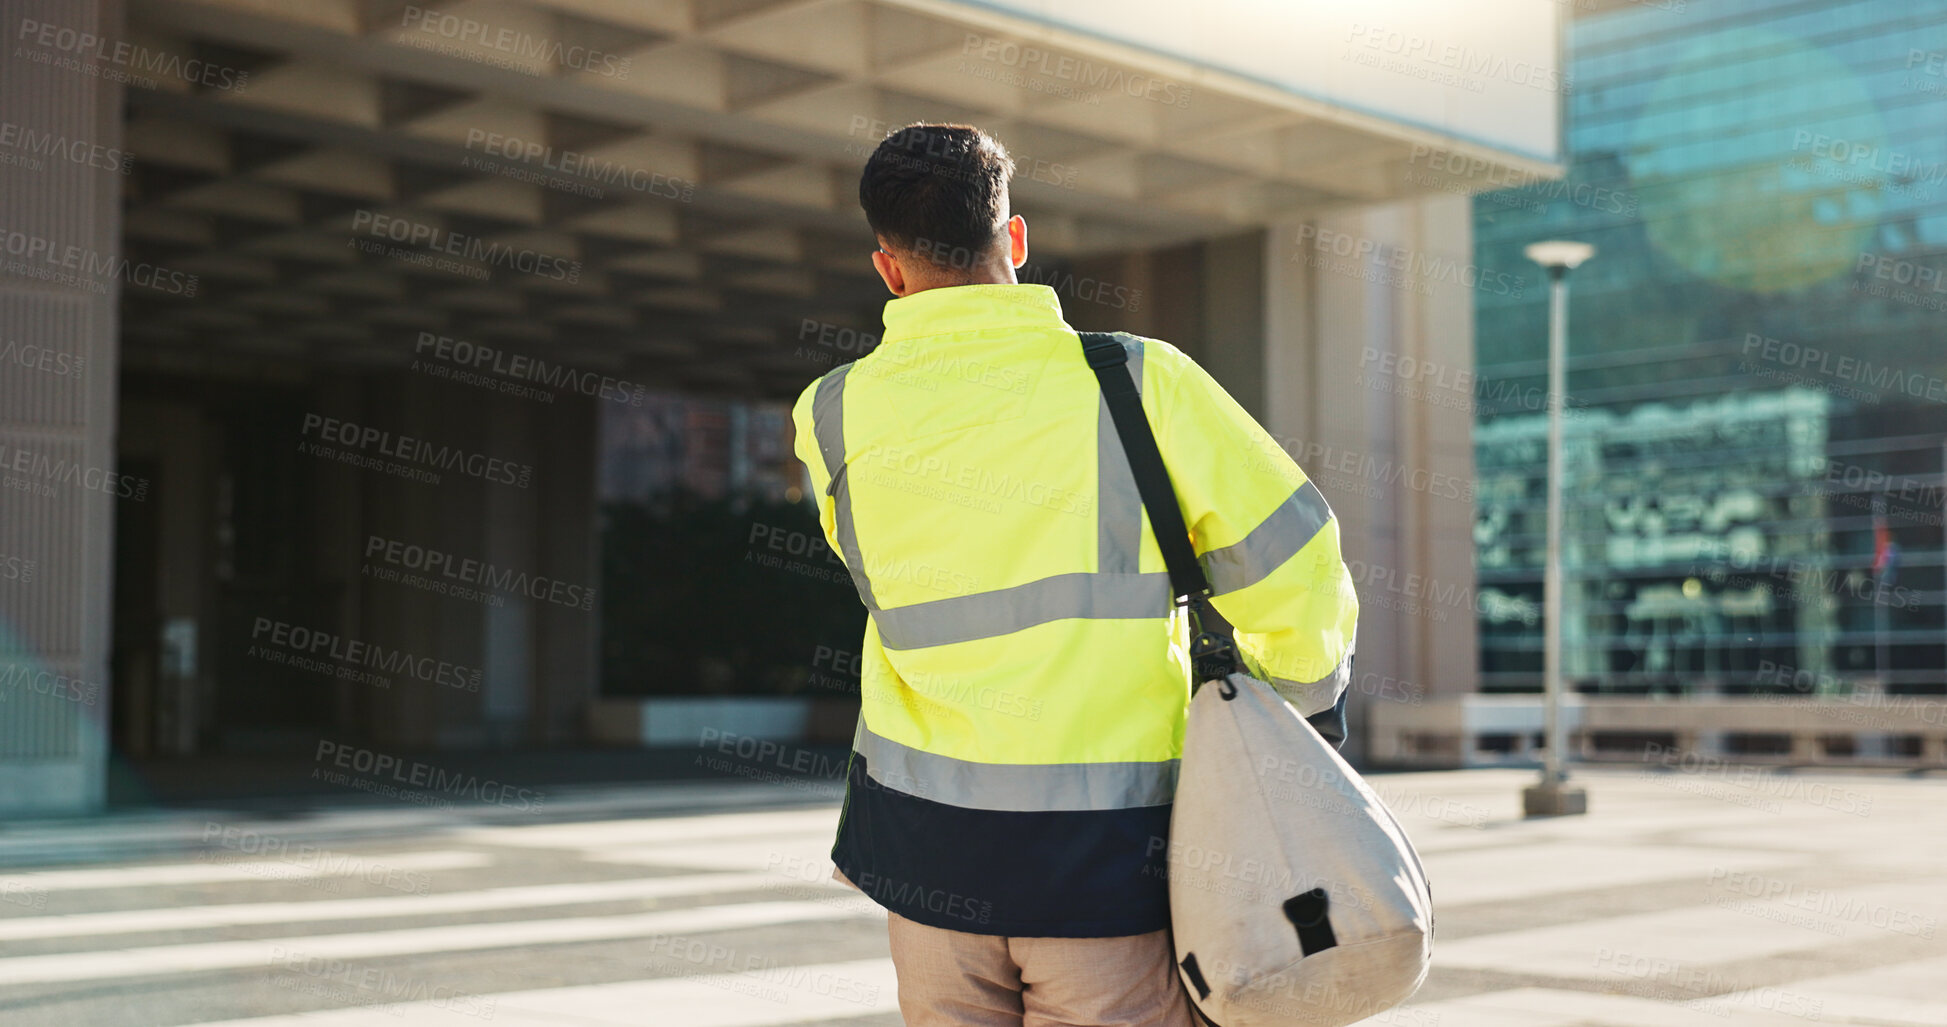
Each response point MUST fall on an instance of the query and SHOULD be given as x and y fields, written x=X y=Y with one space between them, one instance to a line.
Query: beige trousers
x=955 y=979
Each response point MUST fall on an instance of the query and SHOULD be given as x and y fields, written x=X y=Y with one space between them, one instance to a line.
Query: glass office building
x=1756 y=377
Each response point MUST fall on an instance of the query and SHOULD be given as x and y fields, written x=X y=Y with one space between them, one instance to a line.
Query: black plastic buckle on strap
x=1213 y=656
x=1214 y=660
x=1104 y=352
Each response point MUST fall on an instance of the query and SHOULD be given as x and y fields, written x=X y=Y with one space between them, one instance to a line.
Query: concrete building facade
x=312 y=309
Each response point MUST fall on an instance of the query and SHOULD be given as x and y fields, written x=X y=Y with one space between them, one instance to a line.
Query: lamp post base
x=1553 y=800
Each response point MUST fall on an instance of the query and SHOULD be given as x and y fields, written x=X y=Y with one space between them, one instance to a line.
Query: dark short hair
x=939 y=190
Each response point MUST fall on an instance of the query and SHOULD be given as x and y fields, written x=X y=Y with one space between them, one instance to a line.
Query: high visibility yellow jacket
x=1024 y=670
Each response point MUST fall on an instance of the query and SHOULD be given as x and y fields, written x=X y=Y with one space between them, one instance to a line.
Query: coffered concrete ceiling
x=694 y=162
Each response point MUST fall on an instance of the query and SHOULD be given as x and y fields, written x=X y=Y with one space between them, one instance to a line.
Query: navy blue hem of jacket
x=1059 y=874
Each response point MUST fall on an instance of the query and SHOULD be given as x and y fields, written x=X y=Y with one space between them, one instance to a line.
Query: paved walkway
x=1716 y=897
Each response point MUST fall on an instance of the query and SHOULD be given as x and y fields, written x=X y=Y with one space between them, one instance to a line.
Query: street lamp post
x=1553 y=796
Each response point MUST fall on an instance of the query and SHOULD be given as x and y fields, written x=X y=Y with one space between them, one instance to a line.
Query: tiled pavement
x=1729 y=898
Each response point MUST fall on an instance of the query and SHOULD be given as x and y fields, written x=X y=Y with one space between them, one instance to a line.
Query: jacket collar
x=966 y=308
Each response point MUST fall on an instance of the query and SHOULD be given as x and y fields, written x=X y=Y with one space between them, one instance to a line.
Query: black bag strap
x=1212 y=653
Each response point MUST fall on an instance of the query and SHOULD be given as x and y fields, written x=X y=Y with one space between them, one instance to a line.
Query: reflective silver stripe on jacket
x=828 y=424
x=1311 y=697
x=1015 y=787
x=1004 y=611
x=1118 y=504
x=1276 y=539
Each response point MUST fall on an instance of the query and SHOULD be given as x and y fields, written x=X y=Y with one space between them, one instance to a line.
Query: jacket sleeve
x=1265 y=536
x=804 y=444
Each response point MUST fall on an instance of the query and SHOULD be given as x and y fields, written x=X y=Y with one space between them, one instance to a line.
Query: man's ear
x=888 y=269
x=1017 y=240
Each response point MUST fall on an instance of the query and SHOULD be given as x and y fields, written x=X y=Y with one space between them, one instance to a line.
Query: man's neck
x=986 y=275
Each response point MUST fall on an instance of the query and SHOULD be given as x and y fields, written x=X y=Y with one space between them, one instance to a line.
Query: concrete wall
x=57 y=429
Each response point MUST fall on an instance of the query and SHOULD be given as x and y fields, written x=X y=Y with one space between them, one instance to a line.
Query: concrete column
x=60 y=281
x=169 y=706
x=511 y=539
x=568 y=547
x=1368 y=382
x=451 y=516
